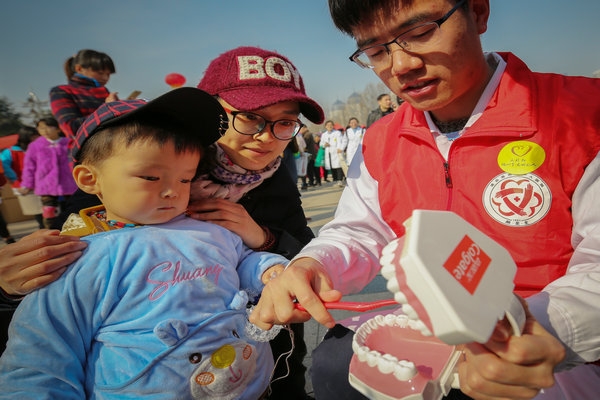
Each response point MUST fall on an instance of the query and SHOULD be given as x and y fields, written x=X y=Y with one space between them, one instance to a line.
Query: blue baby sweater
x=155 y=312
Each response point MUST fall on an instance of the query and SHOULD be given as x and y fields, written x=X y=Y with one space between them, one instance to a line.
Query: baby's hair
x=102 y=144
x=93 y=59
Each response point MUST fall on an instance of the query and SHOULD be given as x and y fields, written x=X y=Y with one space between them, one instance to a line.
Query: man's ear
x=86 y=179
x=481 y=13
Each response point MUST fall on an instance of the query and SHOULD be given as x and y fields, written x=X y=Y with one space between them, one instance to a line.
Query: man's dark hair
x=347 y=14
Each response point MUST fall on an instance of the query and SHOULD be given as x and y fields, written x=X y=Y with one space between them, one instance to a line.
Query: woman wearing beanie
x=243 y=185
x=247 y=188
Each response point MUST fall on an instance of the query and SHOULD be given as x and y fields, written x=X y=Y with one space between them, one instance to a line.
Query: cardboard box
x=10 y=207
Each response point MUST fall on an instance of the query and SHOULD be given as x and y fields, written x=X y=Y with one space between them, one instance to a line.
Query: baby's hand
x=272 y=273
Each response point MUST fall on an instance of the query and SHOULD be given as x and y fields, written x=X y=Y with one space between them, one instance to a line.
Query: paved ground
x=20 y=229
x=319 y=204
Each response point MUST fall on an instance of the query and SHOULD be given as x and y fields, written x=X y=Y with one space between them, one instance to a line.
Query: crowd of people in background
x=330 y=151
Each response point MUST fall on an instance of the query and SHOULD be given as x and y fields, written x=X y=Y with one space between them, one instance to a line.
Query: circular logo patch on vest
x=517 y=200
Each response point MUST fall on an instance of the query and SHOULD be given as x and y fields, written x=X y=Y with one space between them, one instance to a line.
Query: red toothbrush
x=358 y=306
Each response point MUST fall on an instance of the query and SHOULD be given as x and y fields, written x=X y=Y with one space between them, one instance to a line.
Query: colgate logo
x=467 y=264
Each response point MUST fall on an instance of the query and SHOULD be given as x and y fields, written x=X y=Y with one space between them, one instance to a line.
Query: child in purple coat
x=46 y=171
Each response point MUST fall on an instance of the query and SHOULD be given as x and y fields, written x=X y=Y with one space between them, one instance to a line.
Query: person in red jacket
x=514 y=152
x=87 y=73
x=4 y=232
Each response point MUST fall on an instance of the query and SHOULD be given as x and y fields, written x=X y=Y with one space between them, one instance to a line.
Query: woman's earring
x=223 y=124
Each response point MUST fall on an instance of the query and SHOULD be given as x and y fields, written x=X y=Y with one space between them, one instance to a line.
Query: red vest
x=496 y=176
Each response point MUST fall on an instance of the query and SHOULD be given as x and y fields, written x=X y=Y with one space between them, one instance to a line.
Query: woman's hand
x=114 y=96
x=515 y=367
x=36 y=260
x=231 y=216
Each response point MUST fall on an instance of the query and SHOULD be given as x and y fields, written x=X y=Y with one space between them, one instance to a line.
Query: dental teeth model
x=454 y=284
x=393 y=360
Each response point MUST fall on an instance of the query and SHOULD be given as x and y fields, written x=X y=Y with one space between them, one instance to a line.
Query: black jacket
x=376 y=114
x=276 y=204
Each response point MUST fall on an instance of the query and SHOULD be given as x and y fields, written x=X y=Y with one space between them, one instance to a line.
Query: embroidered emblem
x=255 y=67
x=521 y=157
x=225 y=373
x=517 y=200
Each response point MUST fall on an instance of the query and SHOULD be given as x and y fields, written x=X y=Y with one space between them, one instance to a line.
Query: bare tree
x=36 y=108
x=10 y=120
x=358 y=105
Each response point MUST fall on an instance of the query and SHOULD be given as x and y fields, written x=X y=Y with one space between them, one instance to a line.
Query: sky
x=148 y=39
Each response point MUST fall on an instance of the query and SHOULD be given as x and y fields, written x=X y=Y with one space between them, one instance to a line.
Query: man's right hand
x=36 y=260
x=304 y=280
x=509 y=366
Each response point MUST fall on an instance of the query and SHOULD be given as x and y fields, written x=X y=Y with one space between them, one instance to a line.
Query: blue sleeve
x=252 y=265
x=51 y=334
x=6 y=157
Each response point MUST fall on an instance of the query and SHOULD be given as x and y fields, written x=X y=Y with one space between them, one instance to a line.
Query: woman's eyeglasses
x=248 y=123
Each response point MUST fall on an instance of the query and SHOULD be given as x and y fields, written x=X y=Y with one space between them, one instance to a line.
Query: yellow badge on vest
x=521 y=157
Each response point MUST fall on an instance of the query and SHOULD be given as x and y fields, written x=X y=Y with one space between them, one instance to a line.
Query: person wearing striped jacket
x=87 y=72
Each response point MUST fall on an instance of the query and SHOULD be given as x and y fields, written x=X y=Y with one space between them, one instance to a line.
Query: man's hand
x=304 y=280
x=514 y=367
x=36 y=260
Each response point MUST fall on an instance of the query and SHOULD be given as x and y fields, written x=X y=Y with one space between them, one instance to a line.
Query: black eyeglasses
x=419 y=39
x=248 y=123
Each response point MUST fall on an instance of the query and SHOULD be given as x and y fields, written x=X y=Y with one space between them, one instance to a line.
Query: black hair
x=50 y=121
x=26 y=135
x=348 y=14
x=87 y=58
x=153 y=129
x=382 y=95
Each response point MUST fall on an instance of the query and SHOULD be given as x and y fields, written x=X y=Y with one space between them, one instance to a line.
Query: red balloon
x=175 y=80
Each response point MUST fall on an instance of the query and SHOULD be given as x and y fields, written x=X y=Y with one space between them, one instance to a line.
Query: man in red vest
x=512 y=151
